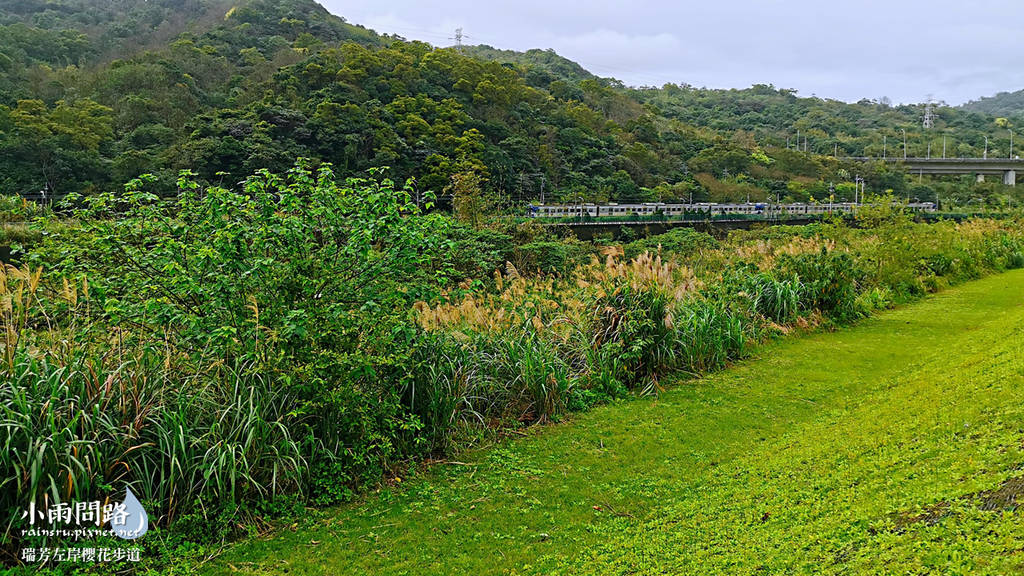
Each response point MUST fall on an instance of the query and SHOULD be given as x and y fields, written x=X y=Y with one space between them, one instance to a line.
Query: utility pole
x=883 y=146
x=1011 y=144
x=858 y=190
x=986 y=148
x=904 y=143
x=522 y=179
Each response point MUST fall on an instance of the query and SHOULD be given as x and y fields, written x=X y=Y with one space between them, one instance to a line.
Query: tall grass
x=75 y=429
x=541 y=345
x=89 y=405
x=708 y=338
x=776 y=299
x=534 y=346
x=81 y=417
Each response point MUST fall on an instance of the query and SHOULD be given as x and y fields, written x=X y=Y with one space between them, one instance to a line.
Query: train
x=710 y=208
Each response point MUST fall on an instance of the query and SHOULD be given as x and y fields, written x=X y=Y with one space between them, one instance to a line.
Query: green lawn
x=878 y=449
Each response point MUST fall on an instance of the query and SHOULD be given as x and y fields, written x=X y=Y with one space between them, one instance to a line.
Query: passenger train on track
x=710 y=209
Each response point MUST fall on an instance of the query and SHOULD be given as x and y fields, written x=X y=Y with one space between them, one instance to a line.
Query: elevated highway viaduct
x=982 y=167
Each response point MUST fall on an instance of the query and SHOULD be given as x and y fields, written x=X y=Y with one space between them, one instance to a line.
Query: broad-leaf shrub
x=279 y=268
x=676 y=242
x=299 y=278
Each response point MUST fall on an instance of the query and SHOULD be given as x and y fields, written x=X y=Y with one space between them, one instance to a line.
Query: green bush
x=679 y=241
x=547 y=257
x=648 y=335
x=278 y=269
x=876 y=299
x=478 y=253
x=638 y=319
x=830 y=282
x=23 y=234
x=707 y=337
x=15 y=209
x=301 y=283
x=940 y=264
x=536 y=367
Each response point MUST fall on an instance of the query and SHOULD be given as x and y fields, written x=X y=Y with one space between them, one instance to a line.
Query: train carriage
x=555 y=211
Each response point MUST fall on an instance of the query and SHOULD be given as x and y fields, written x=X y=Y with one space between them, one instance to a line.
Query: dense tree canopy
x=1002 y=104
x=94 y=93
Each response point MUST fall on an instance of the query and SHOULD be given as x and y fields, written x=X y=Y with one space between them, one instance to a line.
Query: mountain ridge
x=92 y=94
x=1001 y=104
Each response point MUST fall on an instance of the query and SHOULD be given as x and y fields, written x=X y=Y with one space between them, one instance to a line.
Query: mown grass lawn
x=890 y=447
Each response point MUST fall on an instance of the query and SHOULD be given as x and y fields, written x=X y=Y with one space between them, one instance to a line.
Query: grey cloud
x=904 y=49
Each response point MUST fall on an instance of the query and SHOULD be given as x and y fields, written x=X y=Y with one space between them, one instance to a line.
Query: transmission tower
x=929 y=114
x=458 y=40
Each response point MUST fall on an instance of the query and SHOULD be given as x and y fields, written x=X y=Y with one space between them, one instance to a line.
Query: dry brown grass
x=764 y=253
x=546 y=302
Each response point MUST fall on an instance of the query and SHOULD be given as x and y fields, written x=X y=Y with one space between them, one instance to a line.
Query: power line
x=459 y=36
x=432 y=33
x=642 y=75
x=587 y=64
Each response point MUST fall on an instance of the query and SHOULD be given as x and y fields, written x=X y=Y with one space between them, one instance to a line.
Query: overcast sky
x=957 y=50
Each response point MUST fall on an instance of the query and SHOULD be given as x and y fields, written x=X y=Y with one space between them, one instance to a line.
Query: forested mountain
x=540 y=64
x=1002 y=104
x=93 y=93
x=79 y=32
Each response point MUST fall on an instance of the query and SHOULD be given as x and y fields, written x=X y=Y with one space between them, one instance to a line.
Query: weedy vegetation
x=892 y=446
x=234 y=355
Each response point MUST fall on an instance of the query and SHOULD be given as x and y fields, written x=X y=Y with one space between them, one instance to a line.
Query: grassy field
x=891 y=447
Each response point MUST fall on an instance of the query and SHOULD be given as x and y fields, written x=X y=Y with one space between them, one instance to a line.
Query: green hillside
x=251 y=312
x=93 y=94
x=1002 y=104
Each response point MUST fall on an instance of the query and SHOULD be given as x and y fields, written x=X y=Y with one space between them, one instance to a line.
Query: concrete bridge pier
x=1010 y=178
